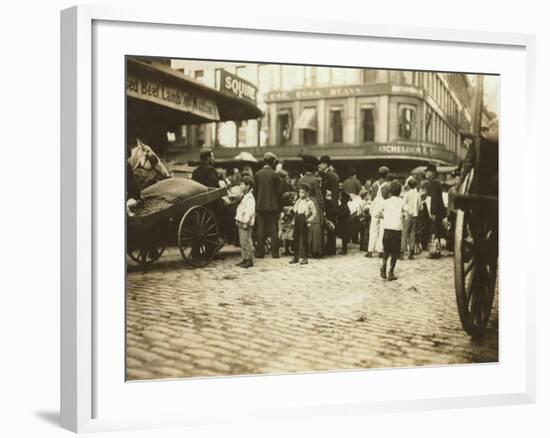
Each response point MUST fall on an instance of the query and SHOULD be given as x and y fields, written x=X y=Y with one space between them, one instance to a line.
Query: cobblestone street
x=335 y=313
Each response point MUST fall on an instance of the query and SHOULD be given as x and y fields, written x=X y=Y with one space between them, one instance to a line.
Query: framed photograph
x=271 y=220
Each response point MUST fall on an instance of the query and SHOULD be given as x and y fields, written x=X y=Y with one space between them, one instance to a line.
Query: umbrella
x=246 y=157
x=419 y=170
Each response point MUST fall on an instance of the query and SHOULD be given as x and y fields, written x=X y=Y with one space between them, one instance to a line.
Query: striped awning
x=307 y=120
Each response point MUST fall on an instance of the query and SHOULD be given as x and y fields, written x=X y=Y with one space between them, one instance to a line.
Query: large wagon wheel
x=198 y=236
x=148 y=250
x=146 y=255
x=476 y=248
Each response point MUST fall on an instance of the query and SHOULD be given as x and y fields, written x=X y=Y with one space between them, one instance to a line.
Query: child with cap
x=345 y=223
x=244 y=217
x=392 y=222
x=304 y=214
x=286 y=225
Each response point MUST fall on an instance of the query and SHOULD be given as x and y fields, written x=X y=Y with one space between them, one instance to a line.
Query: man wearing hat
x=205 y=172
x=330 y=190
x=268 y=205
x=437 y=207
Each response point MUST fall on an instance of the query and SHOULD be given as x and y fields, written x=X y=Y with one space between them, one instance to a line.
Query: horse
x=146 y=165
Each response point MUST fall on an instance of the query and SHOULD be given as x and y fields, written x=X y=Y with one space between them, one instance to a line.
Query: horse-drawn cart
x=476 y=231
x=188 y=222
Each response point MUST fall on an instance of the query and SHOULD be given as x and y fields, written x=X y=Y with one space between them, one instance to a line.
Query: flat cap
x=303 y=186
x=270 y=156
x=383 y=170
x=325 y=159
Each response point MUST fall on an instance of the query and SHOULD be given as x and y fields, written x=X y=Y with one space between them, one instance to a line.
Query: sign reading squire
x=236 y=86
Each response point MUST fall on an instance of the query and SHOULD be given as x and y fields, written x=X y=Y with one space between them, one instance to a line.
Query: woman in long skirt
x=316 y=241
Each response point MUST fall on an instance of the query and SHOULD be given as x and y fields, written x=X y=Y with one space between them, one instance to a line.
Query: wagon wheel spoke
x=198 y=236
x=468 y=267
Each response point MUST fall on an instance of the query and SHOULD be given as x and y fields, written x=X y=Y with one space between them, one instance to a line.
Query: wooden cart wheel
x=198 y=236
x=476 y=254
x=147 y=251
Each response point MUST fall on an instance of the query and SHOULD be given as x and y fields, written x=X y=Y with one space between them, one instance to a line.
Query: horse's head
x=143 y=157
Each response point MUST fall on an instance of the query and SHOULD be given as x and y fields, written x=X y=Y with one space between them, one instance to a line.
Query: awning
x=159 y=92
x=307 y=120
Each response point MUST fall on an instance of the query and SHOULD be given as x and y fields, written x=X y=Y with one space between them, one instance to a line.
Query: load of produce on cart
x=165 y=194
x=176 y=211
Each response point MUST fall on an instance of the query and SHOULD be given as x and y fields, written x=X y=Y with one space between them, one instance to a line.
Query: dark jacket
x=437 y=207
x=330 y=181
x=206 y=175
x=352 y=185
x=267 y=190
x=345 y=223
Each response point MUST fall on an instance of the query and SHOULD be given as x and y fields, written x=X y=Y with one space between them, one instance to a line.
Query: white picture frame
x=81 y=374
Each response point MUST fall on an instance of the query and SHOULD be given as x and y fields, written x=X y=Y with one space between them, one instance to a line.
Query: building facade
x=360 y=117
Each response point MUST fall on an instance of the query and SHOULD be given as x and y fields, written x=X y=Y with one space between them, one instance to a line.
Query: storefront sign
x=238 y=87
x=414 y=149
x=336 y=92
x=366 y=151
x=176 y=97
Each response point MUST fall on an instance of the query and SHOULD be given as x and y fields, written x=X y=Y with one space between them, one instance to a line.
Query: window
x=284 y=127
x=199 y=74
x=309 y=137
x=201 y=135
x=367 y=124
x=336 y=126
x=406 y=122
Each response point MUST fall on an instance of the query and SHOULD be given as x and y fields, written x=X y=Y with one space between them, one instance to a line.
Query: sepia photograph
x=285 y=218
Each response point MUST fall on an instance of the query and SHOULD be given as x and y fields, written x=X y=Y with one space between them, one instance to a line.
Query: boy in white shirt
x=392 y=222
x=411 y=206
x=244 y=217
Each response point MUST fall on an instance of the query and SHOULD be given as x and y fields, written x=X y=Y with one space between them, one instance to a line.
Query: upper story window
x=284 y=126
x=367 y=124
x=407 y=117
x=336 y=125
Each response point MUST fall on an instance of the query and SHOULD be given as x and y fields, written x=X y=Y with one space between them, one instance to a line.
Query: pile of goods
x=166 y=193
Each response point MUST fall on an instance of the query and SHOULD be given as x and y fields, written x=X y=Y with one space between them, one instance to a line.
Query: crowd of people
x=306 y=213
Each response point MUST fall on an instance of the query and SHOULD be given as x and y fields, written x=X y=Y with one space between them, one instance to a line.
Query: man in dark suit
x=267 y=191
x=331 y=194
x=437 y=207
x=205 y=172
